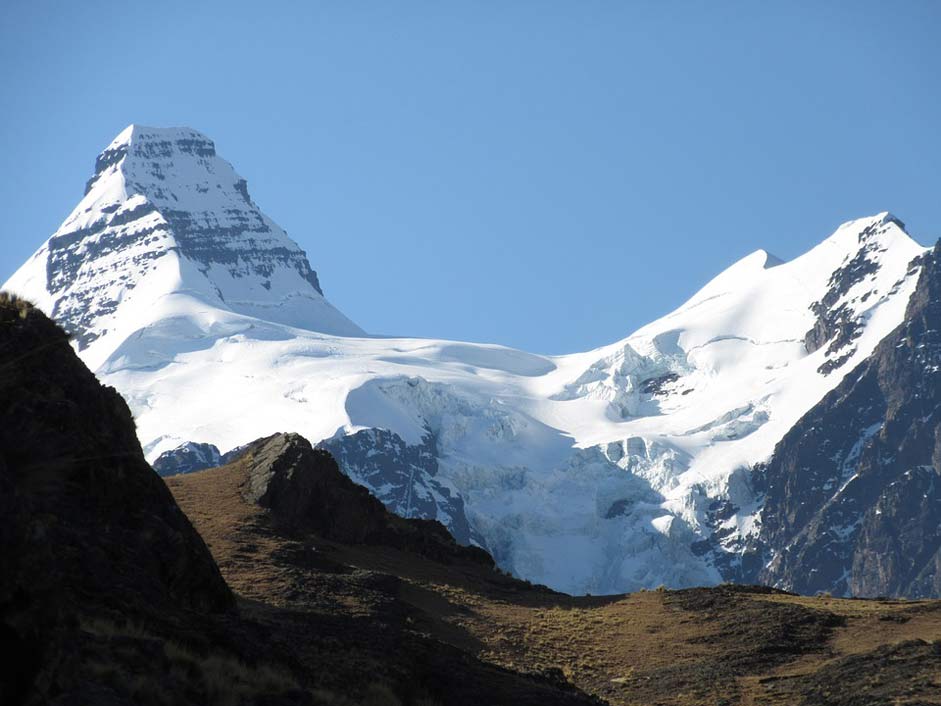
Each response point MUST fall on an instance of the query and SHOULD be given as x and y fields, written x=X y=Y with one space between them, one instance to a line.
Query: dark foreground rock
x=81 y=510
x=88 y=531
x=305 y=491
x=403 y=476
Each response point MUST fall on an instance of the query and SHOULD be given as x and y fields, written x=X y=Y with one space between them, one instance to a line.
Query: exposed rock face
x=403 y=477
x=83 y=513
x=86 y=526
x=853 y=492
x=247 y=243
x=838 y=322
x=187 y=458
x=306 y=492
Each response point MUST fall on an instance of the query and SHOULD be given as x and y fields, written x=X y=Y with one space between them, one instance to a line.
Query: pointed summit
x=150 y=143
x=164 y=217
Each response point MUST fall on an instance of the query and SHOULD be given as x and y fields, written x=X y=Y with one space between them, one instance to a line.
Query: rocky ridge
x=70 y=462
x=305 y=491
x=852 y=494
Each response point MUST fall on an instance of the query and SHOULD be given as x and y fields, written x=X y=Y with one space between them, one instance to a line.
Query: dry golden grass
x=234 y=530
x=653 y=647
x=872 y=623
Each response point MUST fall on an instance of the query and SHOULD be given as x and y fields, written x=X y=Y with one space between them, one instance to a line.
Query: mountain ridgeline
x=852 y=493
x=776 y=427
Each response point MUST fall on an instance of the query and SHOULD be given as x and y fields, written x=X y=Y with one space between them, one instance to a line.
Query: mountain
x=620 y=468
x=167 y=232
x=852 y=493
x=115 y=588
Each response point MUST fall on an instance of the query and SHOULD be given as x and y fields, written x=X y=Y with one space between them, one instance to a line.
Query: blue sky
x=548 y=175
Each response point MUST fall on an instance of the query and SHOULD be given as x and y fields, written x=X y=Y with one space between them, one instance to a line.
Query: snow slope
x=596 y=472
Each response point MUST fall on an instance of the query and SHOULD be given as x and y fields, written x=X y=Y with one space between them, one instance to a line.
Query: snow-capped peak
x=603 y=471
x=165 y=221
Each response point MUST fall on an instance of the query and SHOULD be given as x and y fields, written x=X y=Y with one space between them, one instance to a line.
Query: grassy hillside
x=725 y=645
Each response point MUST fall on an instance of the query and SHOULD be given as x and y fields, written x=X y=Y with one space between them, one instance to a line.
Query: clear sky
x=548 y=175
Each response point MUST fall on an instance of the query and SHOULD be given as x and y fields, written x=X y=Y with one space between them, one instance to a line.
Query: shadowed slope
x=92 y=514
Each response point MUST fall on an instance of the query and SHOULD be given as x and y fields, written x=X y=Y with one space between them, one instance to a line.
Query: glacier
x=597 y=472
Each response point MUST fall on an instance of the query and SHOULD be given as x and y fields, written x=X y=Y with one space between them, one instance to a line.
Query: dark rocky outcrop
x=188 y=457
x=305 y=491
x=91 y=516
x=853 y=491
x=403 y=476
x=658 y=385
x=751 y=635
x=86 y=527
x=837 y=326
